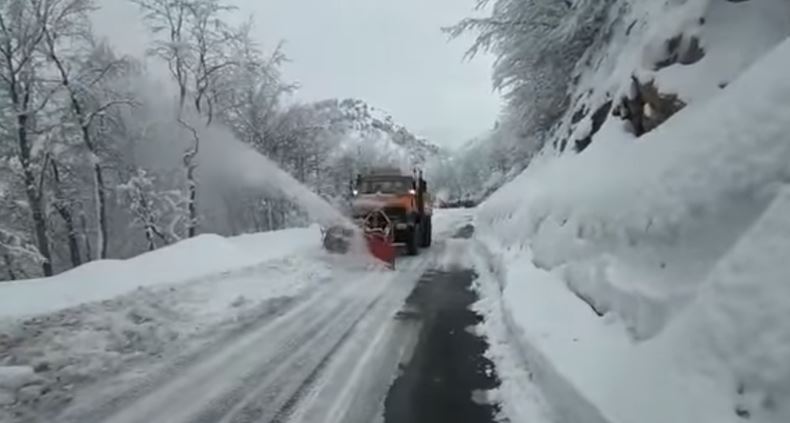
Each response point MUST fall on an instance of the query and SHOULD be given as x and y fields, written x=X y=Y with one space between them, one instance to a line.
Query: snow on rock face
x=733 y=36
x=667 y=206
x=684 y=51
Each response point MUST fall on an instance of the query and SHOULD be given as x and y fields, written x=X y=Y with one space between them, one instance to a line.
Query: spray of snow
x=226 y=157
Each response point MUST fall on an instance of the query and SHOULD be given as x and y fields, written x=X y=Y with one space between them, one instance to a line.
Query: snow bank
x=738 y=323
x=664 y=208
x=588 y=370
x=189 y=259
x=647 y=279
x=724 y=358
x=46 y=360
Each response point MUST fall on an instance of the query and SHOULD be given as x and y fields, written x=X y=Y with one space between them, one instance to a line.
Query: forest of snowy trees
x=101 y=157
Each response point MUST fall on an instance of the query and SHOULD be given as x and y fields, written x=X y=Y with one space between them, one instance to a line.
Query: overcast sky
x=391 y=54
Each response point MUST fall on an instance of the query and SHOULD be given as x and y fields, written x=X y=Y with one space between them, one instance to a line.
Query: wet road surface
x=448 y=375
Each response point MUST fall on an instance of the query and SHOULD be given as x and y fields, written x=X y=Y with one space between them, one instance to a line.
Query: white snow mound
x=193 y=258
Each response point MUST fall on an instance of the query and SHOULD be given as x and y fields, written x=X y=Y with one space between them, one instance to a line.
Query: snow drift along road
x=189 y=259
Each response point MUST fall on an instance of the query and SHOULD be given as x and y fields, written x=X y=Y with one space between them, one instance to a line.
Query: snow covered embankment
x=62 y=333
x=648 y=277
x=194 y=258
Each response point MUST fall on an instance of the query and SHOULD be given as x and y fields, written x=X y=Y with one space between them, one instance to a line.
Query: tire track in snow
x=218 y=383
x=352 y=387
x=101 y=401
x=262 y=384
x=264 y=373
x=290 y=387
x=281 y=394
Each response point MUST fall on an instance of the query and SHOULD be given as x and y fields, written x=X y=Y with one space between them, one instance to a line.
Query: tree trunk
x=68 y=219
x=192 y=205
x=98 y=179
x=192 y=184
x=34 y=197
x=87 y=240
x=74 y=243
x=149 y=236
x=9 y=267
x=269 y=216
x=101 y=211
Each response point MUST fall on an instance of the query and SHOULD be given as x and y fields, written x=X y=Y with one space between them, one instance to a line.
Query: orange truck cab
x=405 y=201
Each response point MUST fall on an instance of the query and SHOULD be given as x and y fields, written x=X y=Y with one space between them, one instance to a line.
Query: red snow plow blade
x=381 y=248
x=379 y=236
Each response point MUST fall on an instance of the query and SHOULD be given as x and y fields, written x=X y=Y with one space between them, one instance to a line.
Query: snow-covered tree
x=23 y=26
x=155 y=211
x=537 y=44
x=192 y=42
x=96 y=163
x=83 y=67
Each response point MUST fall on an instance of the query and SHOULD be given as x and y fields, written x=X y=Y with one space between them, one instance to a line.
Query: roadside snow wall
x=202 y=256
x=648 y=269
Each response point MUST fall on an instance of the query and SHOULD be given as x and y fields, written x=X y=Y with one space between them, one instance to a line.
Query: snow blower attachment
x=337 y=239
x=378 y=233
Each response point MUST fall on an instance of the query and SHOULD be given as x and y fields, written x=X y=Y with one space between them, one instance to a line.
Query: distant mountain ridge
x=358 y=125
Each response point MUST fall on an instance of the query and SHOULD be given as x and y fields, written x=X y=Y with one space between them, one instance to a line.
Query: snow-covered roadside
x=587 y=367
x=183 y=299
x=722 y=361
x=675 y=240
x=521 y=400
x=190 y=259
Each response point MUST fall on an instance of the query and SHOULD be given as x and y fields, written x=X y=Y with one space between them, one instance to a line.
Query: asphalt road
x=448 y=375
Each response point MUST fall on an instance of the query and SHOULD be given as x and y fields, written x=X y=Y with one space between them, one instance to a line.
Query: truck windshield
x=385 y=186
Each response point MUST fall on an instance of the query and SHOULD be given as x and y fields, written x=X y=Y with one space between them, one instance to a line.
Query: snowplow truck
x=396 y=203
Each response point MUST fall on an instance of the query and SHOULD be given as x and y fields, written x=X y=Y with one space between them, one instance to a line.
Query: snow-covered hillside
x=359 y=129
x=366 y=124
x=644 y=274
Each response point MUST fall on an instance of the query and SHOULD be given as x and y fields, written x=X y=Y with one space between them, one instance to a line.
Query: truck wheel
x=425 y=238
x=412 y=240
x=429 y=234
